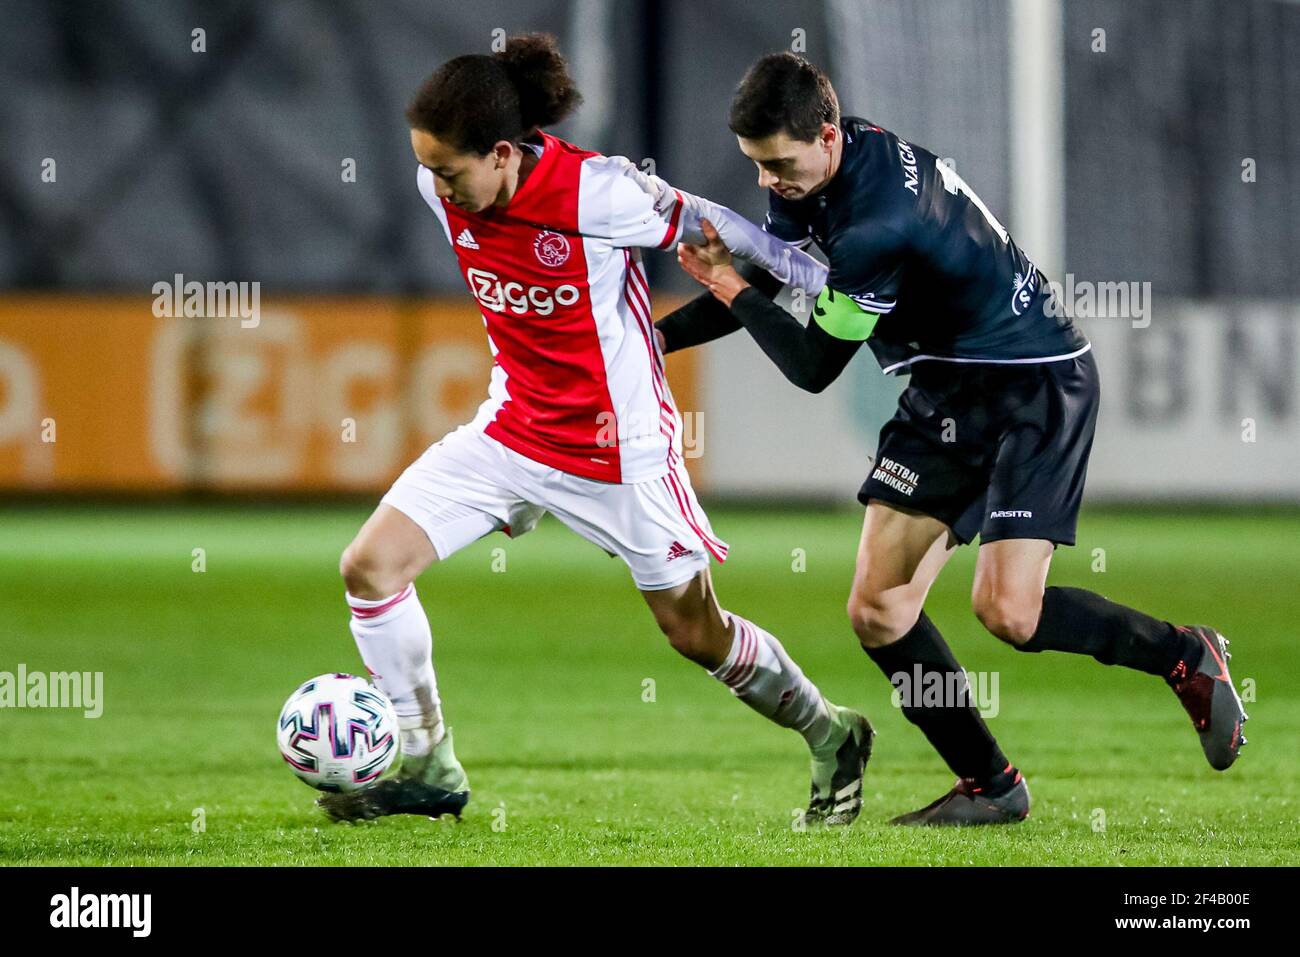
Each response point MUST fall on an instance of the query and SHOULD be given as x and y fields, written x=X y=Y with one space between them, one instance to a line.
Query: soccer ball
x=338 y=732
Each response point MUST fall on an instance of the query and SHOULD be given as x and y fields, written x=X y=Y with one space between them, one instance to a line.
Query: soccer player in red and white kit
x=579 y=421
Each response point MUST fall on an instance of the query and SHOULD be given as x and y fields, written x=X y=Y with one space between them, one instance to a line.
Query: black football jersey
x=908 y=240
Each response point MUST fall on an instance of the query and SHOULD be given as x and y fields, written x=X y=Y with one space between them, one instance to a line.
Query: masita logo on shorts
x=500 y=296
x=1010 y=513
x=76 y=909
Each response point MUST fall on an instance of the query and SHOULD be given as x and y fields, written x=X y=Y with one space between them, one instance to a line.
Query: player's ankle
x=1189 y=658
x=998 y=784
x=836 y=729
x=420 y=735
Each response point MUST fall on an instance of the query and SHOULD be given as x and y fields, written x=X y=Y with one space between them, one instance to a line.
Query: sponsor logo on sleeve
x=911 y=179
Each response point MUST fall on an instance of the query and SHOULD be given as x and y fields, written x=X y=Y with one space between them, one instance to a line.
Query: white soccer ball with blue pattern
x=338 y=732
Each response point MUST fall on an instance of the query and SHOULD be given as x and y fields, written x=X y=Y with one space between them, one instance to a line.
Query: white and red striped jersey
x=577 y=380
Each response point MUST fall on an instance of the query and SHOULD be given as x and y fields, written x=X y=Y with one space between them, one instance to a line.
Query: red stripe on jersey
x=646 y=329
x=639 y=299
x=642 y=290
x=671 y=234
x=667 y=414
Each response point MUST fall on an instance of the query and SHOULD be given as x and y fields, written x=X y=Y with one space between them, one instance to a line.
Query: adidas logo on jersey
x=466 y=239
x=677 y=550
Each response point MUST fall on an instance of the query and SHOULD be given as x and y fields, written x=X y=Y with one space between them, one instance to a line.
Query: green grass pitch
x=543 y=669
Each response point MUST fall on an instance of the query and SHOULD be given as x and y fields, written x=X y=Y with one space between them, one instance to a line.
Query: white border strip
x=988 y=362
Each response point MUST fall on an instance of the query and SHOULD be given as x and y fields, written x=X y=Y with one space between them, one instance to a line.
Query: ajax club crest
x=552 y=249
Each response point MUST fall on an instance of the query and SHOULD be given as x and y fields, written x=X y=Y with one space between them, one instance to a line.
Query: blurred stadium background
x=1162 y=150
x=1122 y=141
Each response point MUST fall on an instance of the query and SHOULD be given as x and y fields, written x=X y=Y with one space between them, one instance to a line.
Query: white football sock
x=760 y=673
x=396 y=644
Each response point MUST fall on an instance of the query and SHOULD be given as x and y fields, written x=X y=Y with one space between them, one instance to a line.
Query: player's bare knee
x=1012 y=618
x=366 y=576
x=355 y=570
x=879 y=620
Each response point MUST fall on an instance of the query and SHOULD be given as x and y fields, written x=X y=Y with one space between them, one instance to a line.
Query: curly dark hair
x=783 y=92
x=480 y=99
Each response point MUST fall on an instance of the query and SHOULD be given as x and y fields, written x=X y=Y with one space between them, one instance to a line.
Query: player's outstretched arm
x=812 y=356
x=788 y=264
x=777 y=263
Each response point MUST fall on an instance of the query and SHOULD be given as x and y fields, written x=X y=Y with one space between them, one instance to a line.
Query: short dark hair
x=783 y=92
x=479 y=99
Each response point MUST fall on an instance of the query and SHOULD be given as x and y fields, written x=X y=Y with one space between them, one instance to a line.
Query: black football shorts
x=998 y=451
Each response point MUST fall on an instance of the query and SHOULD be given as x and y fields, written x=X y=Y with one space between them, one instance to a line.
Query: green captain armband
x=841 y=317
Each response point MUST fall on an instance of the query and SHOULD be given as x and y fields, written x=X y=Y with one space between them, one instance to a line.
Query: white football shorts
x=468 y=485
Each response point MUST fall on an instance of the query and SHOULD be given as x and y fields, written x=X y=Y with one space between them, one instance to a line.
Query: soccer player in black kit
x=992 y=434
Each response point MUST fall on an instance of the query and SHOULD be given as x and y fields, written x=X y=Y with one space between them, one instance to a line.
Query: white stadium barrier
x=1201 y=401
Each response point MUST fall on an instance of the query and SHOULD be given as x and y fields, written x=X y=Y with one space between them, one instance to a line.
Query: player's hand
x=710 y=265
x=715 y=253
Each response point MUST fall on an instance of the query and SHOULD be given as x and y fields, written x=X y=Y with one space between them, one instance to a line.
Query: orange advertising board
x=321 y=393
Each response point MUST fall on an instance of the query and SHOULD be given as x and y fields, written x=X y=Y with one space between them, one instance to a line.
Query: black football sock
x=956 y=730
x=1082 y=622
